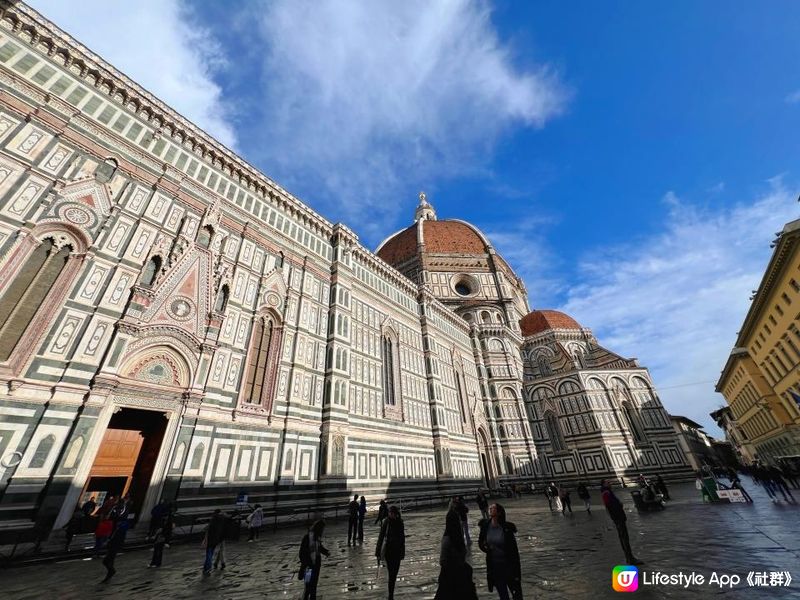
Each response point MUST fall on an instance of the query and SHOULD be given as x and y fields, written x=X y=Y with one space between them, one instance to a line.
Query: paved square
x=562 y=556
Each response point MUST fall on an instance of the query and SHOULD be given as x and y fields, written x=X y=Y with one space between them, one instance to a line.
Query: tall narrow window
x=151 y=271
x=27 y=292
x=388 y=371
x=257 y=368
x=460 y=391
x=632 y=420
x=222 y=299
x=544 y=366
x=42 y=452
x=554 y=432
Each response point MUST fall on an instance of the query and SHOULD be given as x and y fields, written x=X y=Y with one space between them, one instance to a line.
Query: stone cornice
x=784 y=250
x=100 y=76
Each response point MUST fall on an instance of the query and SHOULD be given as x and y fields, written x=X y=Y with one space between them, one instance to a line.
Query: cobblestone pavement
x=562 y=556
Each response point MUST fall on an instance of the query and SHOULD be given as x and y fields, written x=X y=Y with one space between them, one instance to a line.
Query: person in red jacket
x=617 y=514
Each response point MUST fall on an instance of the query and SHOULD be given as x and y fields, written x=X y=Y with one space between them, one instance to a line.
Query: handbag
x=308 y=575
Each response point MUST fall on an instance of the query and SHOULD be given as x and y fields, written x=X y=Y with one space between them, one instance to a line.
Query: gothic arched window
x=25 y=294
x=544 y=366
x=461 y=397
x=388 y=356
x=42 y=452
x=259 y=366
x=222 y=299
x=197 y=457
x=151 y=271
x=204 y=236
x=632 y=420
x=554 y=431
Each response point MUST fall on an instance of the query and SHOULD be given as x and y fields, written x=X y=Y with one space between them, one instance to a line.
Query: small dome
x=440 y=237
x=542 y=320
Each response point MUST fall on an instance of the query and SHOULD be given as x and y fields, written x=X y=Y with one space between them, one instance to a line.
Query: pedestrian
x=391 y=547
x=114 y=545
x=483 y=504
x=563 y=496
x=383 y=512
x=159 y=541
x=311 y=551
x=583 y=494
x=89 y=507
x=104 y=529
x=547 y=495
x=792 y=474
x=215 y=540
x=254 y=522
x=455 y=575
x=463 y=513
x=362 y=513
x=553 y=491
x=736 y=484
x=775 y=475
x=617 y=514
x=766 y=482
x=498 y=540
x=352 y=520
x=169 y=524
x=72 y=527
x=157 y=517
x=661 y=487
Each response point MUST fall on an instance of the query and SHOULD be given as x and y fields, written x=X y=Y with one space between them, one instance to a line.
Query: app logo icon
x=625 y=578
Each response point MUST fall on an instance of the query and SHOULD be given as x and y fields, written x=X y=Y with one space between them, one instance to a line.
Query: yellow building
x=761 y=379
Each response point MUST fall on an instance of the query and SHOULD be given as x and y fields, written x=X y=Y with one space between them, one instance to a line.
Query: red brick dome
x=440 y=237
x=541 y=320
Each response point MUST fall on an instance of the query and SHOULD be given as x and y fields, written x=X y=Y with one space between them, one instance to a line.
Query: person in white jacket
x=254 y=522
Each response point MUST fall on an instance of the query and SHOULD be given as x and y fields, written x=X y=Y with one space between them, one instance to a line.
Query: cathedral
x=174 y=324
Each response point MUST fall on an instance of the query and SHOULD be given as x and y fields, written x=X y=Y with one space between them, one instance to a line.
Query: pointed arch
x=158 y=364
x=204 y=236
x=389 y=362
x=222 y=299
x=34 y=282
x=197 y=457
x=262 y=360
x=151 y=271
x=554 y=431
x=43 y=450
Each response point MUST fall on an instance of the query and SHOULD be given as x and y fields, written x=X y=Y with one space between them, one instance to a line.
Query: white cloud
x=158 y=45
x=676 y=300
x=793 y=97
x=369 y=100
x=524 y=245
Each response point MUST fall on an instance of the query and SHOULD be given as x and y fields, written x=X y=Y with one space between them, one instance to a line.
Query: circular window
x=463 y=289
x=465 y=285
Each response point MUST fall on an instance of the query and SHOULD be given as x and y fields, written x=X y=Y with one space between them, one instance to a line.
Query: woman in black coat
x=455 y=576
x=497 y=539
x=392 y=545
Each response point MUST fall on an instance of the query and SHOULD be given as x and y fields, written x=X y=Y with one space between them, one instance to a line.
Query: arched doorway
x=126 y=458
x=487 y=465
x=133 y=453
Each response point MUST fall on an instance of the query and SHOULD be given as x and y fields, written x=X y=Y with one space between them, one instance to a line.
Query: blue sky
x=631 y=160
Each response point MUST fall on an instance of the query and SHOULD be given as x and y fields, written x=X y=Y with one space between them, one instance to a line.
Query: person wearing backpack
x=392 y=545
x=311 y=551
